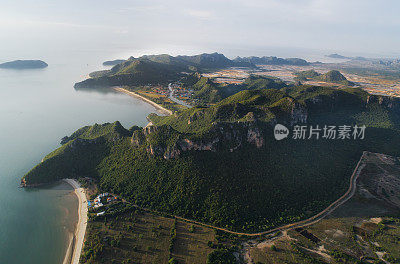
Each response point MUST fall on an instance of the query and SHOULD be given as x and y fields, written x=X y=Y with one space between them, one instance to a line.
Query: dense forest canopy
x=222 y=165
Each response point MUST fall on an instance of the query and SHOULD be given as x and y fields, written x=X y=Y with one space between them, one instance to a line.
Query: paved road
x=176 y=100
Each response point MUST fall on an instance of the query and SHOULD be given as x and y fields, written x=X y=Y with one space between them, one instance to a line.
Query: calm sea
x=38 y=108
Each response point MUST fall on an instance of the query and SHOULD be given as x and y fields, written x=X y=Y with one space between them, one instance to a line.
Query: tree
x=221 y=256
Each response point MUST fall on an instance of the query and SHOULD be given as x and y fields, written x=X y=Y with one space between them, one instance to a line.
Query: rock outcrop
x=222 y=136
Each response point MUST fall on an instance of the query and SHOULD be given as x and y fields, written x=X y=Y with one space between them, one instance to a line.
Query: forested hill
x=271 y=61
x=206 y=91
x=332 y=76
x=157 y=69
x=222 y=164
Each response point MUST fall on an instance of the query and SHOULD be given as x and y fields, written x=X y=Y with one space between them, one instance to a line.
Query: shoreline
x=133 y=94
x=74 y=251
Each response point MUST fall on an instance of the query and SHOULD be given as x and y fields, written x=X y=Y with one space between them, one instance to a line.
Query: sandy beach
x=74 y=252
x=133 y=94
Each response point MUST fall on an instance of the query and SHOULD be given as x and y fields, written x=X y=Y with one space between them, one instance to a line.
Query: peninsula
x=217 y=164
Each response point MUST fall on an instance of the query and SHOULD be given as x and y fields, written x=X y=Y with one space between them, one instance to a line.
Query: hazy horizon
x=31 y=29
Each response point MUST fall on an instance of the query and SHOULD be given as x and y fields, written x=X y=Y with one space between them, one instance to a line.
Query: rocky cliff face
x=164 y=141
x=299 y=114
x=221 y=137
x=392 y=103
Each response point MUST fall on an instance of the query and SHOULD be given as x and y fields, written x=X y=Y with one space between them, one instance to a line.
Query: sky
x=238 y=27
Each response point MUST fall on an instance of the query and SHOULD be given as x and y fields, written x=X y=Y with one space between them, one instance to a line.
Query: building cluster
x=158 y=89
x=180 y=92
x=101 y=200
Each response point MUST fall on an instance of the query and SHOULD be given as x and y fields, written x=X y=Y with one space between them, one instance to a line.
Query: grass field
x=191 y=243
x=142 y=237
x=131 y=238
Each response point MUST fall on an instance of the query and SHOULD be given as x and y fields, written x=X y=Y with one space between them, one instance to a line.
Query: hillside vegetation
x=330 y=77
x=155 y=69
x=272 y=61
x=221 y=164
x=206 y=91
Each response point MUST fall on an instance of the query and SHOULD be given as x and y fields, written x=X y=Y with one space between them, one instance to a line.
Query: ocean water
x=37 y=109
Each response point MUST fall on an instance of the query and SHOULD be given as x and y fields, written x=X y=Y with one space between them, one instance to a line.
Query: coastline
x=133 y=94
x=75 y=248
x=76 y=243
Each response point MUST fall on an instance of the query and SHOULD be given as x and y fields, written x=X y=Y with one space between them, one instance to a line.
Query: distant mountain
x=132 y=72
x=113 y=62
x=271 y=61
x=304 y=75
x=213 y=60
x=331 y=76
x=156 y=69
x=24 y=64
x=337 y=56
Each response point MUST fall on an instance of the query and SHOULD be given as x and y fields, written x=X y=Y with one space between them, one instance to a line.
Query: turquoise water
x=38 y=108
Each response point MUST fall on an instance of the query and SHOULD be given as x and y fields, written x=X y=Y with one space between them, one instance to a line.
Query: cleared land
x=141 y=237
x=365 y=229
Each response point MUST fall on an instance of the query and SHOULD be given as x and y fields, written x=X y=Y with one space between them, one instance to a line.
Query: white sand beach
x=78 y=239
x=133 y=94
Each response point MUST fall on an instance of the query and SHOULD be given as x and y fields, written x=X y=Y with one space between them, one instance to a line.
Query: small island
x=24 y=64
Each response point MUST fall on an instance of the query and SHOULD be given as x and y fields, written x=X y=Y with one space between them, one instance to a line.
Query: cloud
x=26 y=23
x=324 y=24
x=142 y=8
x=199 y=14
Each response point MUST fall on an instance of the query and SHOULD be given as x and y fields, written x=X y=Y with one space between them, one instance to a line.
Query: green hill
x=132 y=73
x=260 y=82
x=208 y=61
x=222 y=165
x=331 y=77
x=271 y=61
x=335 y=77
x=156 y=69
x=304 y=75
x=206 y=91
